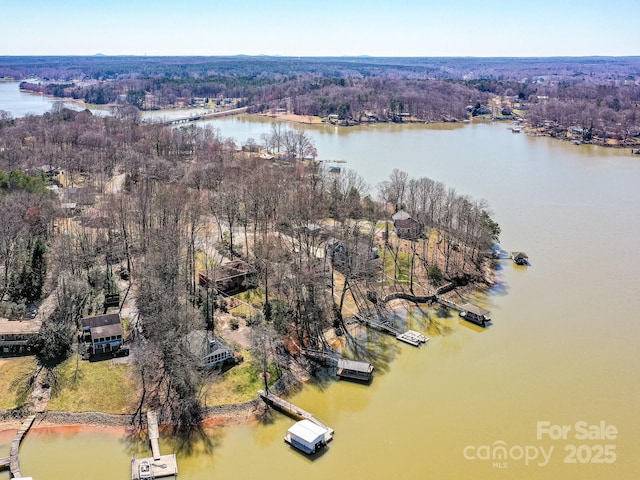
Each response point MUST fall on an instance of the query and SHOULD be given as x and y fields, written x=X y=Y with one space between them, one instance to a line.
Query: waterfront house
x=209 y=350
x=406 y=226
x=18 y=336
x=102 y=334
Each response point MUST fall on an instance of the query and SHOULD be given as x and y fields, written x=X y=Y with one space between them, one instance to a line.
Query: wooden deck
x=292 y=411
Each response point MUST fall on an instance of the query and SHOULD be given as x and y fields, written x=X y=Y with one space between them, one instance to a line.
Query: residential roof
x=471 y=308
x=400 y=215
x=107 y=331
x=203 y=345
x=308 y=431
x=101 y=321
x=355 y=366
x=9 y=327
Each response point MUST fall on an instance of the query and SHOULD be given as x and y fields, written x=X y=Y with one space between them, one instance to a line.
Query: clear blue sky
x=321 y=27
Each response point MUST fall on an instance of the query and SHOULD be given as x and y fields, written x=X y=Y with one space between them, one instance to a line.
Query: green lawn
x=103 y=386
x=238 y=384
x=404 y=266
x=15 y=373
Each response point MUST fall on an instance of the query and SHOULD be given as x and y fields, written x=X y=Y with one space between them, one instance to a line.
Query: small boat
x=144 y=469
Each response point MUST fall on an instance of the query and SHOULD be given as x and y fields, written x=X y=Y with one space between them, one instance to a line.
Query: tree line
x=169 y=203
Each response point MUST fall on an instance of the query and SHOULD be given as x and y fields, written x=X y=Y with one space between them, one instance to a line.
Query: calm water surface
x=563 y=347
x=20 y=103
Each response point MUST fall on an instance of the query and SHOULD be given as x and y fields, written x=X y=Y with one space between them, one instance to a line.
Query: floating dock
x=412 y=338
x=161 y=465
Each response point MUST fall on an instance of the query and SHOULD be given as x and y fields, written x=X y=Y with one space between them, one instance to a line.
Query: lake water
x=562 y=349
x=20 y=103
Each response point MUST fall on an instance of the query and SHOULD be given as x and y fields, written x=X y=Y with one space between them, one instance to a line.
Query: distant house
x=18 y=337
x=406 y=226
x=230 y=278
x=209 y=350
x=102 y=334
x=343 y=258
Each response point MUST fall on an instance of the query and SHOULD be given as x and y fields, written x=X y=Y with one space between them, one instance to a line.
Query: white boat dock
x=412 y=338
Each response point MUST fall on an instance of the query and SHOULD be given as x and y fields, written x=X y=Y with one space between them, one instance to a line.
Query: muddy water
x=472 y=403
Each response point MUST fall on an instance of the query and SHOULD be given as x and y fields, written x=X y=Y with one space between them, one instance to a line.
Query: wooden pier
x=448 y=303
x=14 y=462
x=328 y=359
x=292 y=411
x=384 y=326
x=154 y=435
x=160 y=465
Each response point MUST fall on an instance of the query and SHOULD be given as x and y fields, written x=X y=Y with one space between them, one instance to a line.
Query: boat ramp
x=159 y=465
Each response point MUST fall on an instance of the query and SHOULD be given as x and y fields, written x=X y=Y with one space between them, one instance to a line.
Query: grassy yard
x=238 y=384
x=15 y=373
x=103 y=386
x=404 y=267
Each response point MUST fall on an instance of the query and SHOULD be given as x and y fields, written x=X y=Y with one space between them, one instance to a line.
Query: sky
x=408 y=28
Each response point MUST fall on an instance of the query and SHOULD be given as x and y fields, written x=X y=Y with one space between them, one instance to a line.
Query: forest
x=585 y=99
x=95 y=206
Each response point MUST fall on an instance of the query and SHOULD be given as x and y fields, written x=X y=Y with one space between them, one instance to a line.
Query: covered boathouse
x=520 y=258
x=475 y=314
x=307 y=436
x=354 y=370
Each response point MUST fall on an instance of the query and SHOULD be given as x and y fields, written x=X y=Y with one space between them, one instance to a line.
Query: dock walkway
x=14 y=462
x=329 y=359
x=448 y=303
x=159 y=465
x=292 y=411
x=154 y=435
